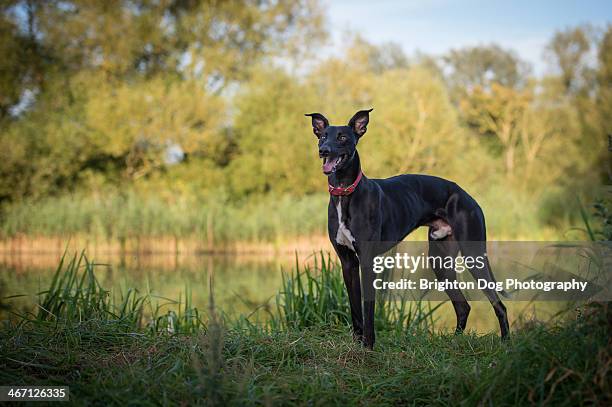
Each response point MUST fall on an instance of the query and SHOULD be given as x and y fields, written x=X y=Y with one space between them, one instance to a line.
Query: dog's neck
x=348 y=174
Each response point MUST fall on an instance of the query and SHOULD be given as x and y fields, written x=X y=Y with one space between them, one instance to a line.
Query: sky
x=436 y=26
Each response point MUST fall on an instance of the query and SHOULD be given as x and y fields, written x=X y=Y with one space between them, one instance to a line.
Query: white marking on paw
x=344 y=235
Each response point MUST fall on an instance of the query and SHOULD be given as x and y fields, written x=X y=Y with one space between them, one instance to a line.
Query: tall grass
x=315 y=294
x=126 y=215
x=75 y=296
x=120 y=349
x=216 y=218
x=310 y=295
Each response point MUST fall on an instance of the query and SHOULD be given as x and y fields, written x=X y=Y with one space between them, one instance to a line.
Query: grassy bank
x=111 y=364
x=26 y=245
x=133 y=221
x=133 y=347
x=122 y=219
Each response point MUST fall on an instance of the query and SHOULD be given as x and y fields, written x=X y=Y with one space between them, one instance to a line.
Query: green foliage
x=604 y=96
x=108 y=358
x=171 y=118
x=414 y=114
x=603 y=211
x=272 y=153
x=17 y=65
x=207 y=39
x=137 y=123
x=125 y=81
x=598 y=221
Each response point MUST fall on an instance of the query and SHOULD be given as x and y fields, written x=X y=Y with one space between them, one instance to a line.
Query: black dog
x=363 y=210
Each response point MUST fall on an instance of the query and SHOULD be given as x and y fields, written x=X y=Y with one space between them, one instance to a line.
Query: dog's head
x=337 y=144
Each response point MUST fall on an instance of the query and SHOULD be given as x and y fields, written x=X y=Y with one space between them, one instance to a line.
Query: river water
x=241 y=284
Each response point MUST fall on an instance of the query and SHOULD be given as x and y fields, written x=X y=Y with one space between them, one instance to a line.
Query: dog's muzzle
x=331 y=164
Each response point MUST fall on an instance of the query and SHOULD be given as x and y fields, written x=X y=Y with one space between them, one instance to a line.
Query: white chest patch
x=344 y=235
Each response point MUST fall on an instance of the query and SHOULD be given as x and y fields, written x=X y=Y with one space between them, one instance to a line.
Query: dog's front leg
x=369 y=298
x=350 y=273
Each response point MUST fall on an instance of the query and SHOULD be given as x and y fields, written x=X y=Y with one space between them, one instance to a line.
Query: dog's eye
x=341 y=138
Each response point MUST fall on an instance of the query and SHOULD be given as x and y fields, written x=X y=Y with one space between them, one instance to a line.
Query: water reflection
x=240 y=283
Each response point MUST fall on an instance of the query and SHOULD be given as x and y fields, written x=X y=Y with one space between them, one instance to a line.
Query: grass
x=125 y=217
x=138 y=349
x=317 y=366
x=75 y=296
x=316 y=295
x=128 y=215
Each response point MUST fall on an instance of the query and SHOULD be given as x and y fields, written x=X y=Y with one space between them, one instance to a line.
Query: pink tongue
x=328 y=164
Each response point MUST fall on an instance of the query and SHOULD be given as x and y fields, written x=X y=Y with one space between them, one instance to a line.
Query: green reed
x=310 y=295
x=128 y=214
x=315 y=294
x=75 y=295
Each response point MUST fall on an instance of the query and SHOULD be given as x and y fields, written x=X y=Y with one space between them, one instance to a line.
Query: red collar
x=340 y=191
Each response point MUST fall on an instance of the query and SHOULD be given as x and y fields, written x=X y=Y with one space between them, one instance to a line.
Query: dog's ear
x=319 y=123
x=359 y=122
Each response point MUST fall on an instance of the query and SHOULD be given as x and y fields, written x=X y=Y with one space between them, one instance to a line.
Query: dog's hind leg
x=440 y=249
x=475 y=249
x=468 y=224
x=350 y=273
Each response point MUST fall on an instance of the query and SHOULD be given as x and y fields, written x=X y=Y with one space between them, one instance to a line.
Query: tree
x=550 y=129
x=587 y=85
x=214 y=40
x=19 y=63
x=412 y=113
x=377 y=58
x=500 y=112
x=141 y=124
x=118 y=85
x=274 y=150
x=569 y=50
x=484 y=65
x=604 y=77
